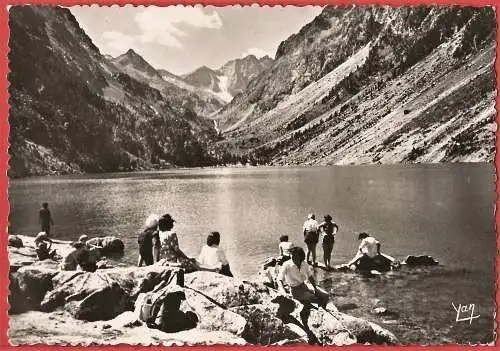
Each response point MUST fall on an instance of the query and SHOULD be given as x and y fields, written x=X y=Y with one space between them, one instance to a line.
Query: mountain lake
x=442 y=210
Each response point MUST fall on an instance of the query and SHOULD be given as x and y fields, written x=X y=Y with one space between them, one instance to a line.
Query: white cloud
x=259 y=53
x=163 y=25
x=119 y=42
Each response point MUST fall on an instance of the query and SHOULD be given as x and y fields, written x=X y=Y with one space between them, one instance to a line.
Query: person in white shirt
x=212 y=257
x=295 y=273
x=284 y=248
x=311 y=236
x=369 y=248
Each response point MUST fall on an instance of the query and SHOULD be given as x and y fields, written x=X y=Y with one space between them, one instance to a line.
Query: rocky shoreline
x=51 y=306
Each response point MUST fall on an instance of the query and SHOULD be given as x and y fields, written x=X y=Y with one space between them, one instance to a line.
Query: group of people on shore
x=158 y=241
x=293 y=263
x=84 y=255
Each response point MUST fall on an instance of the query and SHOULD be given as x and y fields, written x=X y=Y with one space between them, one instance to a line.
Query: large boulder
x=109 y=245
x=103 y=294
x=327 y=329
x=102 y=304
x=59 y=328
x=226 y=307
x=265 y=328
x=421 y=260
x=211 y=316
x=227 y=291
x=15 y=241
x=30 y=284
x=328 y=326
x=21 y=257
x=365 y=331
x=48 y=263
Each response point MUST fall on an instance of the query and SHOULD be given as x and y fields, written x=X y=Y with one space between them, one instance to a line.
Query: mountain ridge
x=72 y=111
x=359 y=74
x=356 y=85
x=231 y=78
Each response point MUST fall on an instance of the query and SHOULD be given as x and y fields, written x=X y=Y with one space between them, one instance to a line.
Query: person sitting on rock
x=84 y=261
x=284 y=248
x=170 y=251
x=368 y=249
x=109 y=245
x=43 y=244
x=212 y=257
x=84 y=239
x=295 y=273
x=70 y=262
x=284 y=253
x=149 y=242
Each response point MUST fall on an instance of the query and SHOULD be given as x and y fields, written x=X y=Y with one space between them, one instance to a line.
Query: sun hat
x=41 y=235
x=151 y=221
x=168 y=217
x=83 y=237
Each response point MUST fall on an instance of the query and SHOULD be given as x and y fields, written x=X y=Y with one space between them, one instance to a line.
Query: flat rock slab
x=227 y=291
x=59 y=328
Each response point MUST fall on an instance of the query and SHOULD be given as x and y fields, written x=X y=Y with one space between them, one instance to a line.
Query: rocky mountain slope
x=73 y=110
x=232 y=78
x=203 y=103
x=373 y=85
x=205 y=91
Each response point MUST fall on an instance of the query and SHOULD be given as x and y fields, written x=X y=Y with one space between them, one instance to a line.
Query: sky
x=183 y=38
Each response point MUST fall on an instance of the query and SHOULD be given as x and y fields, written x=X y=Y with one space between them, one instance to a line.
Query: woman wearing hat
x=328 y=230
x=149 y=242
x=170 y=250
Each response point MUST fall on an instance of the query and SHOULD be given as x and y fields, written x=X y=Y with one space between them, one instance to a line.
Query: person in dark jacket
x=149 y=242
x=45 y=218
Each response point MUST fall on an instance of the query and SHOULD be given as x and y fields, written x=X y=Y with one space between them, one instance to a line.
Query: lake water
x=446 y=211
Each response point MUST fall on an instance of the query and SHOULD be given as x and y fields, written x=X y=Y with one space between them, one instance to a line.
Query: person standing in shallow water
x=311 y=237
x=45 y=218
x=328 y=230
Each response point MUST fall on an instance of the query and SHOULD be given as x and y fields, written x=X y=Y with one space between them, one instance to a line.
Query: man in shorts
x=310 y=230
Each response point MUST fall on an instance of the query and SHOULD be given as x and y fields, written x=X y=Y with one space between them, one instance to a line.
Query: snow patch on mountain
x=223 y=92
